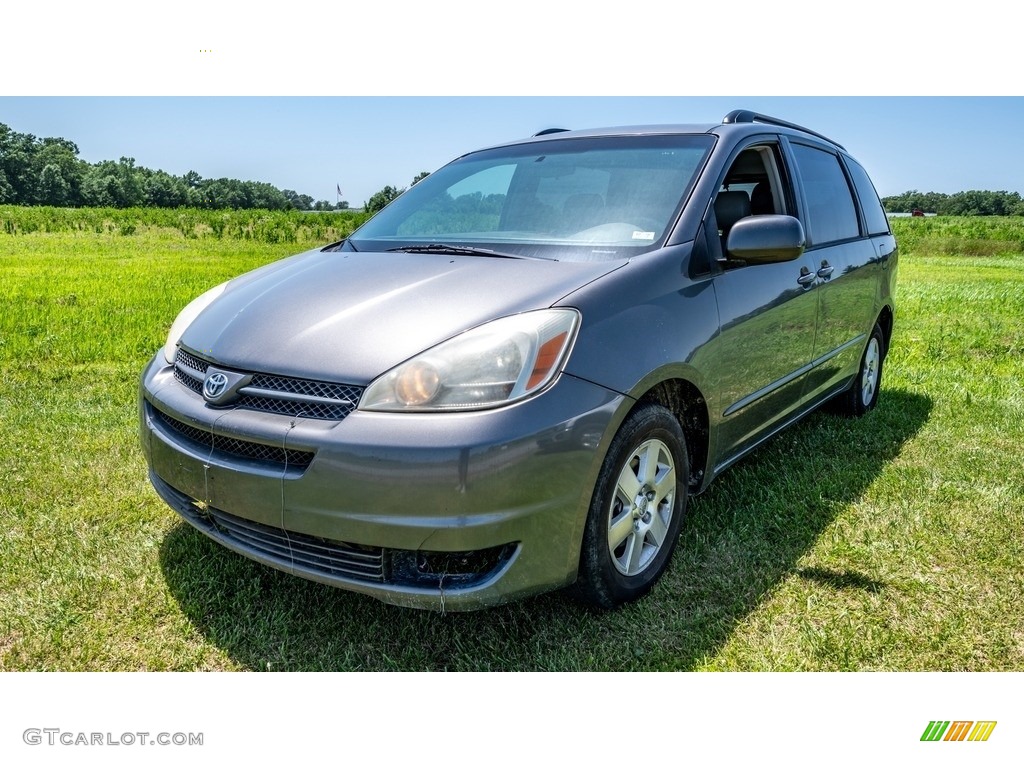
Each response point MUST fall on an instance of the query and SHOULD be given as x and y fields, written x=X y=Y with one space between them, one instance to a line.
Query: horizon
x=362 y=144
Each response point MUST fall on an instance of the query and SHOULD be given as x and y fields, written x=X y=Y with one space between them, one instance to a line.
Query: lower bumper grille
x=335 y=558
x=206 y=440
x=338 y=561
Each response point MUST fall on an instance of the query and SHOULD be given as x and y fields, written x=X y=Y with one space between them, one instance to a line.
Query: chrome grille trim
x=299 y=388
x=233 y=446
x=276 y=394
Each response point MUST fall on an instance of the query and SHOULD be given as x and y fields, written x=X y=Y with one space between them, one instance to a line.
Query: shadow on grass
x=840 y=579
x=741 y=538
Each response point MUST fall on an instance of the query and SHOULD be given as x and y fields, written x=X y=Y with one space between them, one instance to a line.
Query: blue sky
x=363 y=143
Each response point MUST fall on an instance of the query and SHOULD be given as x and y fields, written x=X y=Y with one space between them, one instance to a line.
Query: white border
x=559 y=719
x=531 y=47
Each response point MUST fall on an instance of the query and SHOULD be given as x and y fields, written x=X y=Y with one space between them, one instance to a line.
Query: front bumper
x=451 y=511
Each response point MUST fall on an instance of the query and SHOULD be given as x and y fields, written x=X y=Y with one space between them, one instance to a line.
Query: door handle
x=826 y=270
x=806 y=278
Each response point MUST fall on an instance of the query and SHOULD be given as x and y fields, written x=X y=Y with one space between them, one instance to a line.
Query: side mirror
x=766 y=239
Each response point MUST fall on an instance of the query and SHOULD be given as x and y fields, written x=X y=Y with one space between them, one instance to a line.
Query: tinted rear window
x=874 y=214
x=831 y=213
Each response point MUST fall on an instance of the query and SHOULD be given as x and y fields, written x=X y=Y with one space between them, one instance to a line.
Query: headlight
x=494 y=364
x=185 y=318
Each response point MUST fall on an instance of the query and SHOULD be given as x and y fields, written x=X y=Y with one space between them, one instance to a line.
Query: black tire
x=637 y=509
x=862 y=395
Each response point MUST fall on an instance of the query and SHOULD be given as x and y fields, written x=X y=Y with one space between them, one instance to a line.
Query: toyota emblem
x=214 y=385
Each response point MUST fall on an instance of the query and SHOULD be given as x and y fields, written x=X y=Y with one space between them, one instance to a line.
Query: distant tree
x=16 y=155
x=58 y=173
x=908 y=201
x=165 y=191
x=968 y=203
x=297 y=201
x=380 y=199
x=68 y=147
x=420 y=176
x=262 y=195
x=118 y=185
x=131 y=181
x=49 y=172
x=102 y=189
x=53 y=188
x=982 y=203
x=222 y=193
x=6 y=190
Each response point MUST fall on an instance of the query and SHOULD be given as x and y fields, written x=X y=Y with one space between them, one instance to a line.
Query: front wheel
x=637 y=510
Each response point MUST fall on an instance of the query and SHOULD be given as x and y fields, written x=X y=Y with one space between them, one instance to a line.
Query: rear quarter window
x=874 y=214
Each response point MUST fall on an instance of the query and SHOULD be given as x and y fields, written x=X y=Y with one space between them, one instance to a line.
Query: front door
x=768 y=314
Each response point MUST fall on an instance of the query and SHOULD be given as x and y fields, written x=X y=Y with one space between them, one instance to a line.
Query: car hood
x=349 y=317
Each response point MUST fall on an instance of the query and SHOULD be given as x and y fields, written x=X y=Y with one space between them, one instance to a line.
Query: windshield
x=580 y=199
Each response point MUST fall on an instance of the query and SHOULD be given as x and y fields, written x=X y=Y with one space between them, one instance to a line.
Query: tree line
x=48 y=171
x=971 y=203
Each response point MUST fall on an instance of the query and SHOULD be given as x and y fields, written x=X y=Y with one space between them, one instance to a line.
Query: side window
x=753 y=186
x=874 y=214
x=831 y=214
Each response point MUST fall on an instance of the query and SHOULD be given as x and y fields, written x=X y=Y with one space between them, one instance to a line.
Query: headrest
x=730 y=207
x=761 y=199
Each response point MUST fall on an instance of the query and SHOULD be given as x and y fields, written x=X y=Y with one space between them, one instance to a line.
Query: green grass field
x=895 y=542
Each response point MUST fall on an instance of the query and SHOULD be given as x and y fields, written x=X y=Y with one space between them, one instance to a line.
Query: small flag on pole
x=339 y=189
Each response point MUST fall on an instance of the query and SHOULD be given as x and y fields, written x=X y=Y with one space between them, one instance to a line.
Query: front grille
x=233 y=446
x=276 y=394
x=300 y=397
x=190 y=370
x=184 y=359
x=335 y=558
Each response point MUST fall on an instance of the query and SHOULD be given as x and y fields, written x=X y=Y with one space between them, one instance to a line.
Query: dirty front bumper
x=447 y=511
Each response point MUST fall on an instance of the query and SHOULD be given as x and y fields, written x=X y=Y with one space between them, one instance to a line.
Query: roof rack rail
x=747 y=116
x=546 y=131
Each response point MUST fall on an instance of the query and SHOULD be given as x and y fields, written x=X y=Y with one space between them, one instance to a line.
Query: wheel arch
x=886 y=321
x=687 y=404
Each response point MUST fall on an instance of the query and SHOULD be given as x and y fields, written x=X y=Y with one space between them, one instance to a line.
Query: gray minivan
x=512 y=378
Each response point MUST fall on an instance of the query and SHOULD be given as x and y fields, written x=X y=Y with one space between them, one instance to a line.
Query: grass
x=190 y=223
x=893 y=542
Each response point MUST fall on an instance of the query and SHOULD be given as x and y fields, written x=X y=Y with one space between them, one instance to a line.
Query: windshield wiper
x=455 y=250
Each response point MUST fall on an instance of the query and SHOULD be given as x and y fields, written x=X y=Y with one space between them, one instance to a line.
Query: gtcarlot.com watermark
x=53 y=737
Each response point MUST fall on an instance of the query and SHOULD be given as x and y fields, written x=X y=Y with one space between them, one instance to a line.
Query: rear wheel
x=862 y=395
x=637 y=510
